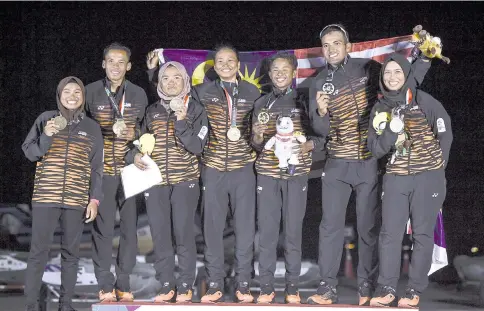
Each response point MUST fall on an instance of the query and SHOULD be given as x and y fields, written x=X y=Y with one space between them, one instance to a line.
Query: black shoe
x=166 y=294
x=386 y=296
x=184 y=293
x=242 y=292
x=267 y=294
x=365 y=292
x=411 y=299
x=215 y=293
x=291 y=294
x=326 y=295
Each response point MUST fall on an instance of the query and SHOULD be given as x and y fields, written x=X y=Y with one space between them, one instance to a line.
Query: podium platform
x=149 y=306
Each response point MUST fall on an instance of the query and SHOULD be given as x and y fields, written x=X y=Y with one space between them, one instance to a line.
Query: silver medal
x=176 y=104
x=328 y=88
x=119 y=127
x=233 y=134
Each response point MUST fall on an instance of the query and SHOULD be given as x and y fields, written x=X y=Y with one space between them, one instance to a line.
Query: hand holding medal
x=50 y=128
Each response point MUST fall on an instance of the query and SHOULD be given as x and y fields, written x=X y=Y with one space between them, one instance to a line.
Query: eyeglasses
x=336 y=26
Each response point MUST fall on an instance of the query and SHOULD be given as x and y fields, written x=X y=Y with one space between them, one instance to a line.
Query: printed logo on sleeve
x=440 y=125
x=203 y=132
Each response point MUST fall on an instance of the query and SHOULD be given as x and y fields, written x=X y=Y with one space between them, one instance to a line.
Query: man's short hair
x=291 y=59
x=334 y=27
x=117 y=46
x=225 y=46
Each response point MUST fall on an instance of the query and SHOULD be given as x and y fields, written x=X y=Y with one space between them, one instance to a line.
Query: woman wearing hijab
x=180 y=132
x=68 y=149
x=413 y=130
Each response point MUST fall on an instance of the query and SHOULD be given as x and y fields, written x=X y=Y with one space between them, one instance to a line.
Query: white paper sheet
x=136 y=181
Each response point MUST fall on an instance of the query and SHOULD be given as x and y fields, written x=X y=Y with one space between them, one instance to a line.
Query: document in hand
x=136 y=180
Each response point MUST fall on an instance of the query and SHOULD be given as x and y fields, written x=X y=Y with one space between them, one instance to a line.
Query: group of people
x=212 y=140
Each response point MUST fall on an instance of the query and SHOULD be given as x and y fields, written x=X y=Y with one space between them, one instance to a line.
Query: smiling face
x=71 y=96
x=393 y=76
x=172 y=82
x=116 y=63
x=226 y=65
x=334 y=47
x=282 y=73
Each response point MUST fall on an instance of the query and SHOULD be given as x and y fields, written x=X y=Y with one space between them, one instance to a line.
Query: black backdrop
x=40 y=43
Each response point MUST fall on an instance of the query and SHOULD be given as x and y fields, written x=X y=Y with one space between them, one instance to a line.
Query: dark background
x=40 y=43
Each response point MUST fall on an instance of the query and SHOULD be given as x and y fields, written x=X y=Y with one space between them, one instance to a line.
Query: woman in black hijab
x=68 y=149
x=412 y=131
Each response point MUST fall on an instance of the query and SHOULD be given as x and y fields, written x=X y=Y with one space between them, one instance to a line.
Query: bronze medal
x=60 y=122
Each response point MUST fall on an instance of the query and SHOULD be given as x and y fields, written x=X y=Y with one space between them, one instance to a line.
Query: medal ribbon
x=118 y=108
x=232 y=104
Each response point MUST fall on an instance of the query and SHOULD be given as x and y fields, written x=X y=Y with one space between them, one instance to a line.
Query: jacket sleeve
x=193 y=130
x=420 y=67
x=319 y=124
x=97 y=166
x=140 y=130
x=440 y=123
x=380 y=145
x=36 y=143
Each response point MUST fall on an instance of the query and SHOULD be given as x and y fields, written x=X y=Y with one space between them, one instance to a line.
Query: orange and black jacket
x=429 y=129
x=69 y=164
x=99 y=108
x=287 y=103
x=345 y=126
x=177 y=142
x=219 y=152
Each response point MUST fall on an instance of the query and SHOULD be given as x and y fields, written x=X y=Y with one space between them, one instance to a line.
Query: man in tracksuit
x=118 y=106
x=228 y=176
x=180 y=136
x=280 y=191
x=413 y=130
x=68 y=149
x=341 y=98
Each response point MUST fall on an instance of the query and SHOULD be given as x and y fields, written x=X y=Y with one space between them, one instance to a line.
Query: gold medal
x=263 y=116
x=60 y=122
x=119 y=127
x=233 y=134
x=176 y=104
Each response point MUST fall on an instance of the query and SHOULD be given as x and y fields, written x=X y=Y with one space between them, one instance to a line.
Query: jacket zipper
x=226 y=138
x=65 y=164
x=166 y=148
x=357 y=111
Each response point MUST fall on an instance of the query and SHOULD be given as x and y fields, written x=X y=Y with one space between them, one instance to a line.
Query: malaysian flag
x=254 y=66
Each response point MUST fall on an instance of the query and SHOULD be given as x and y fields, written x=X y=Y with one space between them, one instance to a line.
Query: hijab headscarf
x=66 y=113
x=406 y=94
x=186 y=81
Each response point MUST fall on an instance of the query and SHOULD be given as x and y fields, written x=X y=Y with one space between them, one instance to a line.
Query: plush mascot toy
x=146 y=143
x=285 y=142
x=430 y=46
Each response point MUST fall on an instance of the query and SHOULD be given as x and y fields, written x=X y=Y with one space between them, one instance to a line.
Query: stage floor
x=146 y=306
x=436 y=298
